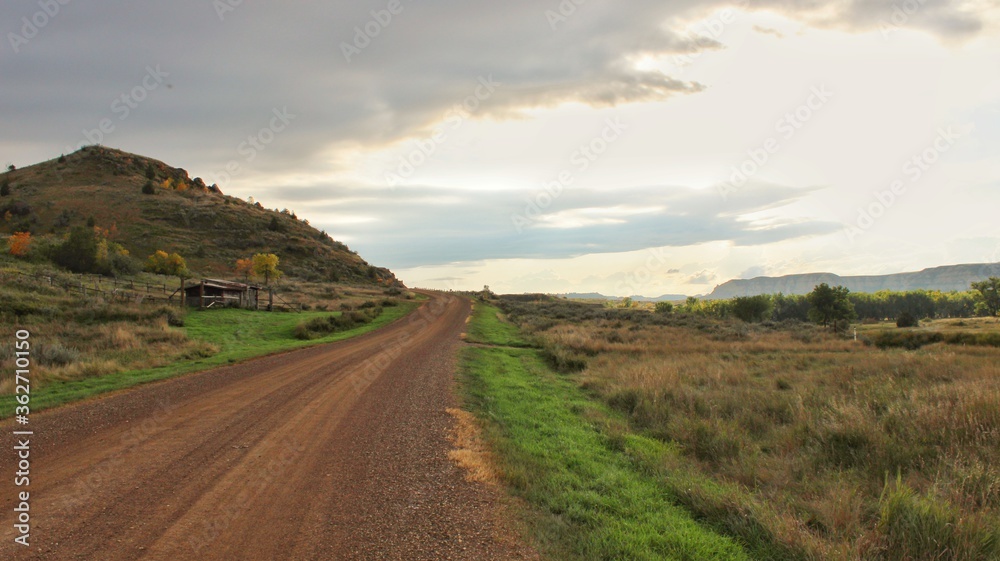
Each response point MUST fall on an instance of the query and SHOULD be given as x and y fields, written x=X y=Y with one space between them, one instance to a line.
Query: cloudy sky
x=639 y=147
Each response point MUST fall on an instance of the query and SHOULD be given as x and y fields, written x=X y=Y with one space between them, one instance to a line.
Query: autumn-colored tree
x=164 y=264
x=20 y=244
x=266 y=265
x=172 y=264
x=244 y=268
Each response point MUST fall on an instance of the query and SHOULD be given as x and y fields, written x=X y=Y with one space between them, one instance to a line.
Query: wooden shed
x=213 y=293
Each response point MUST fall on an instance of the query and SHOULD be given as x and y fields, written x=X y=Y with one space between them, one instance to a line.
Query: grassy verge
x=796 y=442
x=487 y=328
x=237 y=334
x=589 y=498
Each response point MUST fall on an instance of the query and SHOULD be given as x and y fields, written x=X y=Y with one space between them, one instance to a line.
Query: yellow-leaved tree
x=266 y=265
x=169 y=264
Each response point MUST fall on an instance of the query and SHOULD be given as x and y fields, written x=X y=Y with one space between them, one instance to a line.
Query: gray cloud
x=702 y=277
x=429 y=225
x=227 y=75
x=949 y=19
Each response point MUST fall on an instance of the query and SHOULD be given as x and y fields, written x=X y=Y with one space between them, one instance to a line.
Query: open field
x=789 y=439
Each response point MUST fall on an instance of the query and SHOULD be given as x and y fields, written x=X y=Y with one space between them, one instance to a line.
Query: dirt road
x=332 y=452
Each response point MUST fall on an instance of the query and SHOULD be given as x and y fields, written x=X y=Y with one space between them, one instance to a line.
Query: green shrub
x=564 y=360
x=55 y=354
x=322 y=326
x=906 y=319
x=149 y=188
x=174 y=316
x=79 y=252
x=913 y=340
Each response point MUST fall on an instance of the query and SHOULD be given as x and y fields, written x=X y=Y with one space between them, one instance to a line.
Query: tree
x=150 y=171
x=664 y=307
x=752 y=308
x=830 y=305
x=5 y=187
x=20 y=244
x=266 y=265
x=173 y=265
x=906 y=319
x=989 y=292
x=244 y=268
x=79 y=252
x=149 y=188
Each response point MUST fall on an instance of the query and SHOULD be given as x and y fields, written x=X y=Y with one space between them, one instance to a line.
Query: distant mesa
x=946 y=278
x=599 y=296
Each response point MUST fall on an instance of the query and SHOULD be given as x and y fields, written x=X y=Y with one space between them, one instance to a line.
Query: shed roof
x=224 y=284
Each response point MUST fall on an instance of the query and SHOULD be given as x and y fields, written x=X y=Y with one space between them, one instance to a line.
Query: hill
x=104 y=187
x=946 y=278
x=636 y=298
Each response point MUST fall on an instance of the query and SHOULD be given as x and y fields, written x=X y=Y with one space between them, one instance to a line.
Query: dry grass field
x=826 y=446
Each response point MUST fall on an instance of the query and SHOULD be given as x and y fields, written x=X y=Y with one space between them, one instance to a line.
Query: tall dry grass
x=857 y=453
x=74 y=338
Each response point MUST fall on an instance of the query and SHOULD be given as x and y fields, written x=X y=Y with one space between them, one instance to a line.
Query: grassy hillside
x=211 y=230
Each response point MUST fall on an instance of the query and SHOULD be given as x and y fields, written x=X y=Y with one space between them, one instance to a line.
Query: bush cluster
x=322 y=326
x=913 y=340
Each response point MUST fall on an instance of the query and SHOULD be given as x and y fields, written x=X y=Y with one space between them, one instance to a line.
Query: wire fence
x=129 y=290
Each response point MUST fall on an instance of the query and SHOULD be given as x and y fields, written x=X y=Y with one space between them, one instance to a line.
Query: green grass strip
x=589 y=500
x=487 y=328
x=239 y=334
